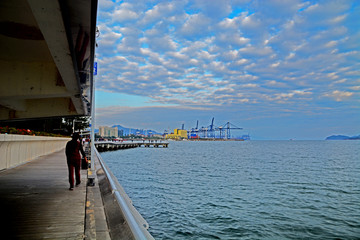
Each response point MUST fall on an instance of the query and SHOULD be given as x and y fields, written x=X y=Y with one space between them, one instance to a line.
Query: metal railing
x=136 y=222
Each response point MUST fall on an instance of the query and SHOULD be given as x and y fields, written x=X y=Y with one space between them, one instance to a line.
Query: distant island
x=342 y=137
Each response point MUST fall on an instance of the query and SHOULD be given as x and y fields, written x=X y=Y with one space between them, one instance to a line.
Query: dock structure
x=154 y=144
x=111 y=146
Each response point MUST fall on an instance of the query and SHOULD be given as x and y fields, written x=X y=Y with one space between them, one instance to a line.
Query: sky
x=278 y=69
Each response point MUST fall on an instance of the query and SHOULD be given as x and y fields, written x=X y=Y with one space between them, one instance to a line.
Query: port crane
x=193 y=133
x=211 y=130
x=225 y=129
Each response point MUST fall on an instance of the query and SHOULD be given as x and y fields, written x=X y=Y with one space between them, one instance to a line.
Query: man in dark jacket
x=73 y=150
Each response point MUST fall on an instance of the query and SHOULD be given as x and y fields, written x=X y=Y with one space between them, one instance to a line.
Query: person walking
x=73 y=150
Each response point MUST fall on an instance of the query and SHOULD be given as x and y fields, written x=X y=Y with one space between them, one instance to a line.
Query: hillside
x=342 y=137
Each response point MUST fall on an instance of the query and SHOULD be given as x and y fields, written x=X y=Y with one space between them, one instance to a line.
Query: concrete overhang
x=46 y=57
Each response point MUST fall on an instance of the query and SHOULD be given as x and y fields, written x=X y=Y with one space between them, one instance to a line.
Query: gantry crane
x=193 y=133
x=227 y=127
x=211 y=130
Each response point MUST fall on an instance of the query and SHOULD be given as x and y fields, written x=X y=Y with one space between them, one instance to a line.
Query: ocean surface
x=244 y=190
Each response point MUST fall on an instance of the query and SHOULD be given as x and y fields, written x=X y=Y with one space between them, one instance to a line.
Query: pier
x=112 y=146
x=154 y=144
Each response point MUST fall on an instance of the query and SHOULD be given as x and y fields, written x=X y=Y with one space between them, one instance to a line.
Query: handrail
x=136 y=222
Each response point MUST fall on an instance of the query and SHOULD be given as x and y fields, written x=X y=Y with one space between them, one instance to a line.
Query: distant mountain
x=342 y=137
x=128 y=131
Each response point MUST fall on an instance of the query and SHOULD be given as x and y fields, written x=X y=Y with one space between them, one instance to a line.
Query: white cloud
x=276 y=84
x=339 y=95
x=251 y=50
x=250 y=21
x=355 y=88
x=106 y=4
x=242 y=61
x=312 y=8
x=160 y=43
x=274 y=65
x=286 y=97
x=200 y=52
x=124 y=13
x=339 y=19
x=290 y=56
x=332 y=75
x=109 y=38
x=214 y=8
x=231 y=39
x=250 y=85
x=196 y=25
x=331 y=44
x=229 y=23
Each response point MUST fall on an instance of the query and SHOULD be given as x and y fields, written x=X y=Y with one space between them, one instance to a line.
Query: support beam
x=38 y=59
x=28 y=80
x=48 y=15
x=41 y=108
x=17 y=105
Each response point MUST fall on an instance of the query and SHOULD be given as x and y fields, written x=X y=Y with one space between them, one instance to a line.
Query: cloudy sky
x=280 y=69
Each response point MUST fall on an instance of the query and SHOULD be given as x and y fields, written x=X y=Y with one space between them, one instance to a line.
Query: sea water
x=244 y=190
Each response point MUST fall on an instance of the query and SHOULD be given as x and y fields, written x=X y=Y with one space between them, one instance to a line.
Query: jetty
x=103 y=146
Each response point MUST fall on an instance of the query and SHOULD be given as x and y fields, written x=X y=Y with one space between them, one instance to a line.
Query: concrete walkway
x=35 y=201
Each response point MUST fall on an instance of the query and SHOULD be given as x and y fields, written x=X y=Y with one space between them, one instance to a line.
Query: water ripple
x=245 y=190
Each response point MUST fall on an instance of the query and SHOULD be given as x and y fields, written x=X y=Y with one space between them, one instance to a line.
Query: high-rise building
x=108 y=131
x=121 y=132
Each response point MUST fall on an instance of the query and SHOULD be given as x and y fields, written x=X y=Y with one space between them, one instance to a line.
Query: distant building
x=157 y=136
x=108 y=131
x=121 y=132
x=177 y=135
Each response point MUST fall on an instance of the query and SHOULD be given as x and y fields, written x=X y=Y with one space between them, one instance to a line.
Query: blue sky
x=279 y=69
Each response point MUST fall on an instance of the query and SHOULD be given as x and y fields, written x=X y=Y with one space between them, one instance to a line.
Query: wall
x=19 y=149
